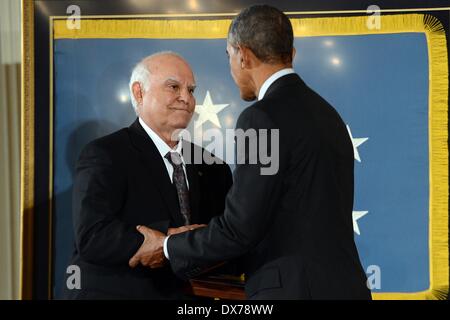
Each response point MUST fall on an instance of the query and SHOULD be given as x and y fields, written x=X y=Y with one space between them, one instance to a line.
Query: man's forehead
x=165 y=61
x=174 y=78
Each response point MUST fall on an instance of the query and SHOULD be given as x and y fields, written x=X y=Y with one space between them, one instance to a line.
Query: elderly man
x=293 y=228
x=138 y=176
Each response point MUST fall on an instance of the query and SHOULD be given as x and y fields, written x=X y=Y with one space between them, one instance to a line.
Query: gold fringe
x=310 y=27
x=145 y=29
x=338 y=26
x=438 y=140
x=217 y=29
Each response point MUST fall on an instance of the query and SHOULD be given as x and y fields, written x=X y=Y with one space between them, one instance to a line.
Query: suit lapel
x=192 y=175
x=157 y=168
x=194 y=192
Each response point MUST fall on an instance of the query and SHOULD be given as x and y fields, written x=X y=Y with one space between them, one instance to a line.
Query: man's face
x=239 y=74
x=168 y=104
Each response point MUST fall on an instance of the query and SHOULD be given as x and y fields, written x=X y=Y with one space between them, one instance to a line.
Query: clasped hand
x=151 y=252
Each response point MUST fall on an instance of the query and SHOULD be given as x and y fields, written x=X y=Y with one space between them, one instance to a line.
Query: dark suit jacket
x=121 y=181
x=293 y=229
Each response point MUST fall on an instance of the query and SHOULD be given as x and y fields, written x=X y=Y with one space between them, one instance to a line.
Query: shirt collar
x=272 y=79
x=162 y=147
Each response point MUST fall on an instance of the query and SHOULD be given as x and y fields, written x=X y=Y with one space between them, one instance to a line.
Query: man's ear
x=137 y=92
x=293 y=53
x=246 y=57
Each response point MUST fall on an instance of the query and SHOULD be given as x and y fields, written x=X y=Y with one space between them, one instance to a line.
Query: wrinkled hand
x=151 y=253
x=191 y=227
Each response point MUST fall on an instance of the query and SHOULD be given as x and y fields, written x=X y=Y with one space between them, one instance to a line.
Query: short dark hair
x=266 y=31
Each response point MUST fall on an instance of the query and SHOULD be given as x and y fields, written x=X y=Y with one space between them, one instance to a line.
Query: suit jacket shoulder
x=255 y=117
x=106 y=147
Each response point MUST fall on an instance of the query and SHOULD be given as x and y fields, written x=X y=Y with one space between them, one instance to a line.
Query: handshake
x=151 y=252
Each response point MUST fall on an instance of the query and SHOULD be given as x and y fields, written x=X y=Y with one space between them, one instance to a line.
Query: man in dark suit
x=293 y=227
x=138 y=176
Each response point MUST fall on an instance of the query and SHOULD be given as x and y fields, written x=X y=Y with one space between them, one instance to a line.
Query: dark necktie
x=179 y=180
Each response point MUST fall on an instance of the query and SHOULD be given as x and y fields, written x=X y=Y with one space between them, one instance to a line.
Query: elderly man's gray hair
x=141 y=73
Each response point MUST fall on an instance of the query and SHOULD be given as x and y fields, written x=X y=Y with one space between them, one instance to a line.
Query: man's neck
x=170 y=143
x=263 y=72
x=165 y=136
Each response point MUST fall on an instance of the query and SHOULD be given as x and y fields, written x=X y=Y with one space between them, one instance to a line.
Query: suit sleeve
x=223 y=174
x=99 y=191
x=247 y=214
x=227 y=177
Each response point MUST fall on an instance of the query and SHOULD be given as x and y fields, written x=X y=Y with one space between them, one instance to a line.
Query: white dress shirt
x=272 y=79
x=163 y=149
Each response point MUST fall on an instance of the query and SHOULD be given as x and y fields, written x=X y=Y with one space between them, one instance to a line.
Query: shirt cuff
x=166 y=252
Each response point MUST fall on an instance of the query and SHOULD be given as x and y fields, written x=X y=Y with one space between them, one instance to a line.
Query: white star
x=356 y=215
x=356 y=143
x=208 y=111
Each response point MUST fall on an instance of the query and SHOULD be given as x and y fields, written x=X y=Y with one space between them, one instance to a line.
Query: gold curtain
x=10 y=56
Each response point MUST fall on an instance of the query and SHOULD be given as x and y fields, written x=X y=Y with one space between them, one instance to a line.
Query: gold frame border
x=27 y=153
x=27 y=140
x=231 y=14
x=50 y=168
